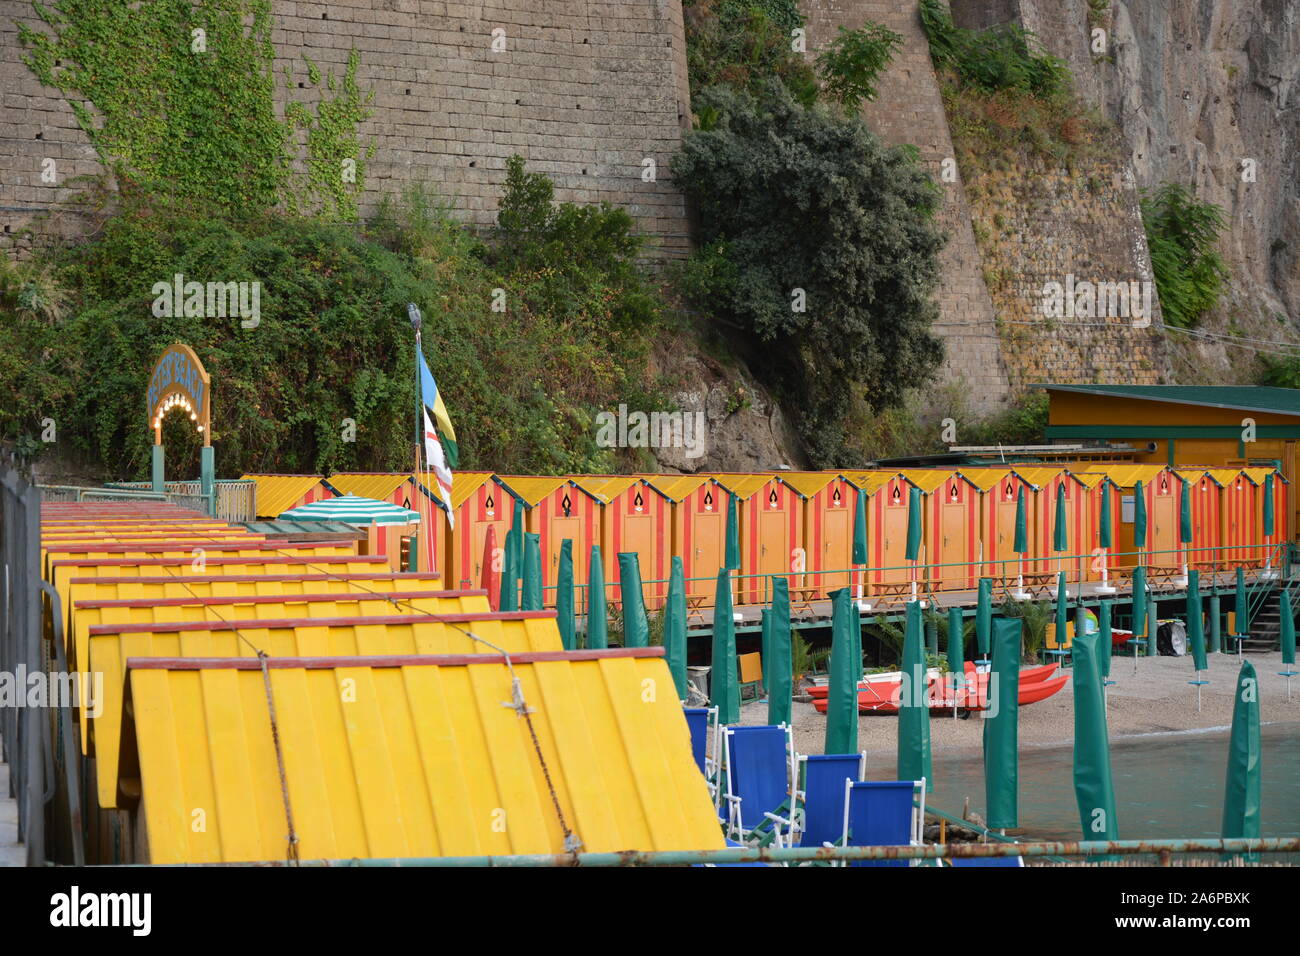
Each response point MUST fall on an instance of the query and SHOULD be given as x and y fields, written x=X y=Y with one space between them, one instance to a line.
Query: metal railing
x=25 y=730
x=233 y=499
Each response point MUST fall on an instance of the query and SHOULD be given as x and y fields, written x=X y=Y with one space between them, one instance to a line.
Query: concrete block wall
x=585 y=91
x=910 y=110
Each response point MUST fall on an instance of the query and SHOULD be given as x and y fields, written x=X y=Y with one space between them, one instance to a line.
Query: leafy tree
x=851 y=63
x=745 y=44
x=1182 y=234
x=796 y=204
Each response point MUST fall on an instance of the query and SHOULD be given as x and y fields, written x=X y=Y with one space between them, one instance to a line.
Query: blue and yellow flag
x=437 y=408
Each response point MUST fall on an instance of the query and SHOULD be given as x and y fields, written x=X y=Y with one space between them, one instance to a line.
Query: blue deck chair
x=987 y=861
x=883 y=813
x=703 y=725
x=759 y=764
x=820 y=817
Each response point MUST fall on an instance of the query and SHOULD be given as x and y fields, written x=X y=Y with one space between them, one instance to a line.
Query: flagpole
x=417 y=323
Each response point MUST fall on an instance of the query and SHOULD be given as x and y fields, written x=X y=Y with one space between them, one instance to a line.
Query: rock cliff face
x=1205 y=93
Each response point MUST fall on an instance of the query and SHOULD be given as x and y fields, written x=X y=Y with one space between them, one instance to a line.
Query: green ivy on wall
x=179 y=97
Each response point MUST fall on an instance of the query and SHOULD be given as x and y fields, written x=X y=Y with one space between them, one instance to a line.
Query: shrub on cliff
x=1183 y=235
x=819 y=243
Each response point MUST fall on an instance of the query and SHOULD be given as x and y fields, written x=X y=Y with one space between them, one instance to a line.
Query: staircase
x=1266 y=628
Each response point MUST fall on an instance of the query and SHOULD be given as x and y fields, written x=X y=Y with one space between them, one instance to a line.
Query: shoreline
x=1156 y=702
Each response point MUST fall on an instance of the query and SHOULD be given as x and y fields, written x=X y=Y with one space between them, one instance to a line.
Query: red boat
x=1028 y=675
x=882 y=696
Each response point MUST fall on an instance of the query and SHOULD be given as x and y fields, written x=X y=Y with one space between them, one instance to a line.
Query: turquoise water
x=1166 y=786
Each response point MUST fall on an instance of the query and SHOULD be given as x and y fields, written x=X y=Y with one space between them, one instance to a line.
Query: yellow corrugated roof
x=378 y=487
x=808 y=483
x=927 y=479
x=1127 y=475
x=1193 y=475
x=465 y=483
x=1038 y=477
x=422 y=761
x=532 y=488
x=1089 y=479
x=278 y=493
x=307 y=637
x=742 y=485
x=604 y=487
x=1257 y=475
x=676 y=487
x=1224 y=476
x=985 y=478
x=870 y=481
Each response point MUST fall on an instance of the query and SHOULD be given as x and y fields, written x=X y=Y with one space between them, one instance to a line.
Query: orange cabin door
x=893 y=555
x=707 y=553
x=952 y=546
x=639 y=536
x=837 y=548
x=1164 y=532
x=773 y=549
x=476 y=557
x=1006 y=538
x=560 y=529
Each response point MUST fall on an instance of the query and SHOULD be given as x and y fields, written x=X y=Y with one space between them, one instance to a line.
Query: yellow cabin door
x=1006 y=537
x=638 y=536
x=773 y=549
x=893 y=554
x=952 y=547
x=707 y=553
x=562 y=528
x=476 y=558
x=1164 y=532
x=837 y=548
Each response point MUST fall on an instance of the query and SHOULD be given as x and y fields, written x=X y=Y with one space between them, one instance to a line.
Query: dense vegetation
x=1183 y=235
x=333 y=342
x=817 y=240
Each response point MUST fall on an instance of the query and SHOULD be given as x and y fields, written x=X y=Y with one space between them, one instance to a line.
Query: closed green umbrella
x=1288 y=638
x=1021 y=543
x=1268 y=504
x=564 y=608
x=1216 y=625
x=1093 y=787
x=1107 y=522
x=514 y=560
x=842 y=694
x=1001 y=743
x=724 y=684
x=675 y=627
x=914 y=710
x=1139 y=607
x=636 y=629
x=1195 y=621
x=914 y=519
x=1153 y=626
x=765 y=629
x=1062 y=610
x=780 y=687
x=1139 y=516
x=984 y=618
x=956 y=642
x=860 y=528
x=733 y=535
x=1060 y=526
x=1241 y=795
x=1104 y=642
x=597 y=625
x=532 y=593
x=1242 y=618
x=1185 y=515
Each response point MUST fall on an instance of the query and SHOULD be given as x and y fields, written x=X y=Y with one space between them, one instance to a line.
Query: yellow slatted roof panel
x=279 y=493
x=743 y=486
x=927 y=480
x=870 y=481
x=378 y=487
x=676 y=487
x=532 y=488
x=109 y=653
x=419 y=760
x=465 y=483
x=1127 y=475
x=1038 y=477
x=808 y=483
x=985 y=478
x=1257 y=475
x=605 y=488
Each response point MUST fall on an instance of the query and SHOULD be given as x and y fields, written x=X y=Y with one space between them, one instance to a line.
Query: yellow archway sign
x=179 y=380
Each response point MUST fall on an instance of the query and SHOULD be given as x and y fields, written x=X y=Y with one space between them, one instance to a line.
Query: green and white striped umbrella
x=352 y=510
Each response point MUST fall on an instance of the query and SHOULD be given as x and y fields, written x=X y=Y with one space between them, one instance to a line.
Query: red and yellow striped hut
x=771 y=536
x=1207 y=495
x=480 y=503
x=698 y=518
x=1262 y=553
x=951 y=528
x=1161 y=492
x=828 y=501
x=1095 y=486
x=887 y=499
x=555 y=509
x=407 y=492
x=635 y=517
x=999 y=488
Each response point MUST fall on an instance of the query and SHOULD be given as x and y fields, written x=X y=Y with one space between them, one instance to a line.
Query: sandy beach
x=1156 y=699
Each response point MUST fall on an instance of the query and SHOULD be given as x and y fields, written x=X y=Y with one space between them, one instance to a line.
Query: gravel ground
x=1157 y=699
